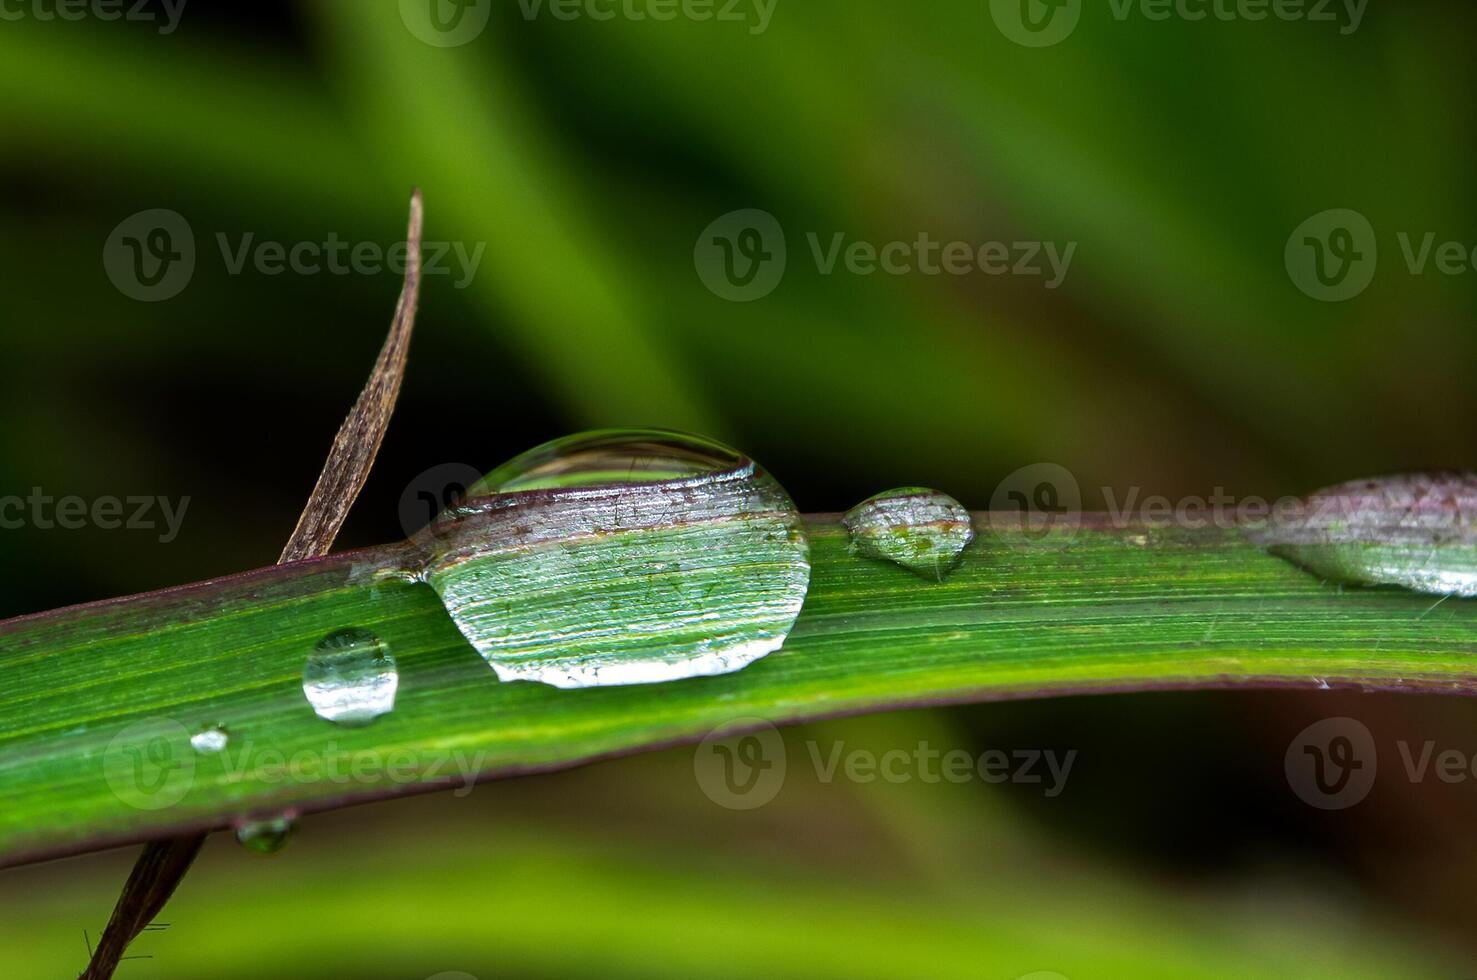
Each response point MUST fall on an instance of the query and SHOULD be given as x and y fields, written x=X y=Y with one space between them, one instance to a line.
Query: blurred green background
x=586 y=157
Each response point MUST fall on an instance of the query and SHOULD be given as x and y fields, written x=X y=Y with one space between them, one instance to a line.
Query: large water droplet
x=210 y=739
x=623 y=557
x=922 y=530
x=350 y=677
x=265 y=836
x=1417 y=531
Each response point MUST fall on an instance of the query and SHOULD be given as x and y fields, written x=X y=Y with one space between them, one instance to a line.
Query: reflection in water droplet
x=922 y=530
x=623 y=557
x=350 y=677
x=1417 y=531
x=265 y=836
x=209 y=739
x=612 y=458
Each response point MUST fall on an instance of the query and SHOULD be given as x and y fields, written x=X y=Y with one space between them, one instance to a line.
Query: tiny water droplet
x=920 y=529
x=1417 y=531
x=350 y=677
x=622 y=557
x=210 y=739
x=265 y=836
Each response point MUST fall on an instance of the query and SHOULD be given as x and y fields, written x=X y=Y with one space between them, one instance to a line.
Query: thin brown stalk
x=163 y=864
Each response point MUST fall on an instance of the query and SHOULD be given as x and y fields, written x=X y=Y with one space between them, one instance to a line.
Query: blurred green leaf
x=512 y=901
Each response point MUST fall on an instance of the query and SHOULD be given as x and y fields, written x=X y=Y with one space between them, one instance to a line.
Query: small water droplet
x=922 y=530
x=622 y=557
x=1417 y=531
x=265 y=836
x=210 y=739
x=350 y=677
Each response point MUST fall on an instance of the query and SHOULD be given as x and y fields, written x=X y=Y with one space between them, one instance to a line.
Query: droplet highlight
x=622 y=557
x=1415 y=531
x=923 y=530
x=265 y=836
x=210 y=739
x=350 y=677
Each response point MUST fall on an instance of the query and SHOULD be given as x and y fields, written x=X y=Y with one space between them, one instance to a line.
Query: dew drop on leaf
x=350 y=677
x=622 y=557
x=210 y=739
x=923 y=530
x=265 y=836
x=1417 y=531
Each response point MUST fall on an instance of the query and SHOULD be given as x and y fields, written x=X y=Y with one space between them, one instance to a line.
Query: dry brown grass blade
x=163 y=864
x=358 y=440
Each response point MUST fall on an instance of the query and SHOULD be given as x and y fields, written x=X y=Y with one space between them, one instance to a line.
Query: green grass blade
x=1127 y=608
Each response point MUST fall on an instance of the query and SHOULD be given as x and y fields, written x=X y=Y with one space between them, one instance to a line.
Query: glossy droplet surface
x=623 y=557
x=265 y=836
x=612 y=458
x=350 y=678
x=920 y=529
x=210 y=739
x=1417 y=531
